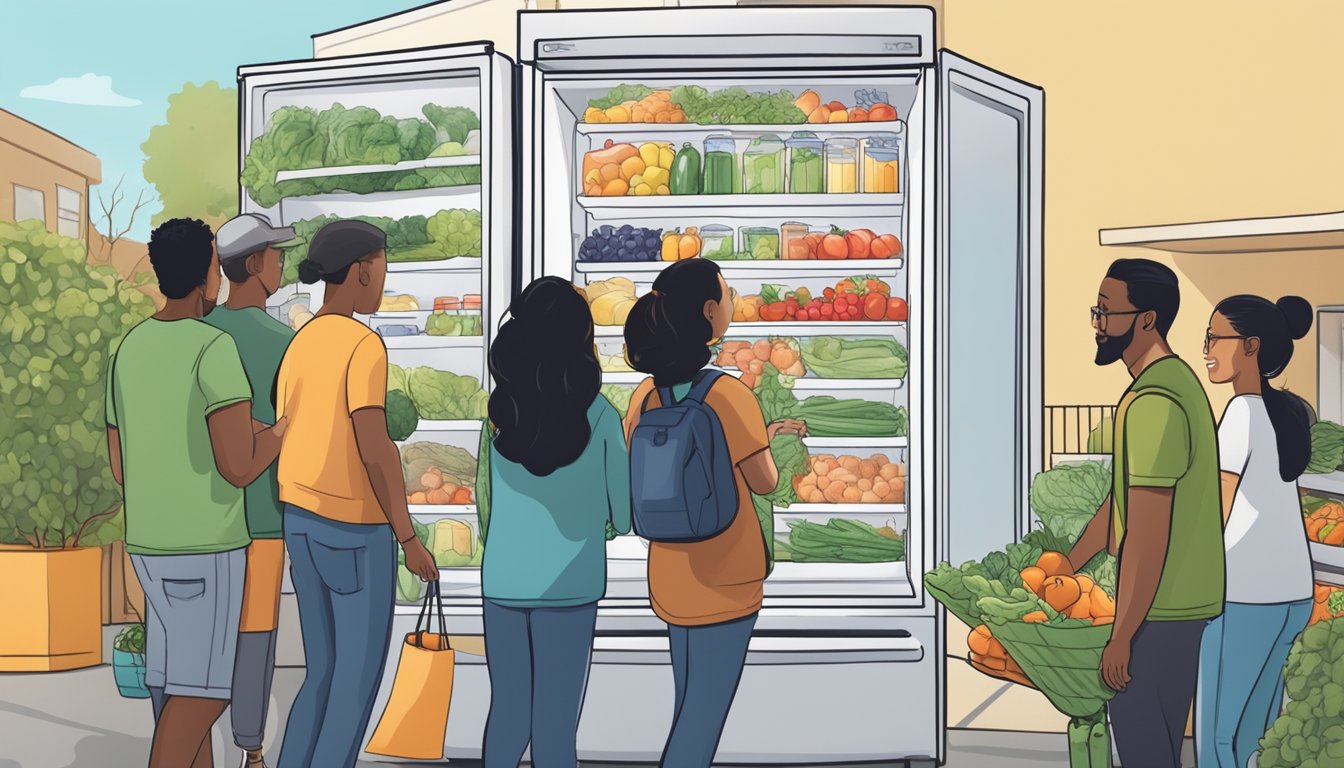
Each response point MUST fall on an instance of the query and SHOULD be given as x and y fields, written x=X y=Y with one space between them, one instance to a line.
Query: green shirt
x=1166 y=438
x=261 y=341
x=165 y=378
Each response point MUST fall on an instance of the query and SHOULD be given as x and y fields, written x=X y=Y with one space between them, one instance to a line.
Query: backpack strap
x=703 y=381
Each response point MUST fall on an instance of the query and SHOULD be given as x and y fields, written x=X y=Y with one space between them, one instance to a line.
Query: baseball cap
x=248 y=233
x=338 y=245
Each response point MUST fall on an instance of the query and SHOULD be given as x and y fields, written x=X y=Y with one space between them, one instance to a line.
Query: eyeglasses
x=1209 y=338
x=1099 y=315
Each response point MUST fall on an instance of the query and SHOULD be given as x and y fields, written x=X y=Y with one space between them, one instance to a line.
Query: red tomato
x=813 y=245
x=814 y=313
x=827 y=310
x=773 y=312
x=829 y=293
x=885 y=247
x=897 y=310
x=874 y=306
x=859 y=241
x=833 y=247
x=880 y=112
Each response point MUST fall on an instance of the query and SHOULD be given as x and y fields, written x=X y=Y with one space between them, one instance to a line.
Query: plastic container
x=793 y=236
x=881 y=165
x=807 y=164
x=722 y=171
x=761 y=242
x=716 y=241
x=842 y=166
x=763 y=166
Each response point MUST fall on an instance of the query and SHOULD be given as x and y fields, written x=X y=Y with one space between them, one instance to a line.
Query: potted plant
x=61 y=320
x=128 y=661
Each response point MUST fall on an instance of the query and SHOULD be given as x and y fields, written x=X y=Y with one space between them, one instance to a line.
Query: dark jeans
x=1148 y=718
x=538 y=661
x=707 y=665
x=344 y=576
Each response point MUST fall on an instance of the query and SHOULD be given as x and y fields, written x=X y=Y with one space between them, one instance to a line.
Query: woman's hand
x=786 y=427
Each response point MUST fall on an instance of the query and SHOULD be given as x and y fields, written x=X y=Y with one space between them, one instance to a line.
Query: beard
x=1112 y=348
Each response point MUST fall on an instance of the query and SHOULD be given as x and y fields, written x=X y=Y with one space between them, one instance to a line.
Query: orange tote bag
x=416 y=717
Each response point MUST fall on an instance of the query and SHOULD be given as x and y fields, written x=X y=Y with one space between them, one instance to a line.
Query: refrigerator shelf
x=456 y=425
x=855 y=443
x=442 y=510
x=809 y=329
x=873 y=575
x=338 y=203
x=661 y=129
x=744 y=206
x=845 y=267
x=623 y=377
x=425 y=341
x=804 y=384
x=1331 y=484
x=458 y=264
x=409 y=165
x=799 y=509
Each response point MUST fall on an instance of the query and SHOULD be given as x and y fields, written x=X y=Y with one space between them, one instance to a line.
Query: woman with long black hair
x=708 y=592
x=1264 y=445
x=557 y=475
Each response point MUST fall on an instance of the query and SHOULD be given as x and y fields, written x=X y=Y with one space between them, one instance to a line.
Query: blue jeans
x=538 y=660
x=707 y=664
x=1240 y=690
x=344 y=579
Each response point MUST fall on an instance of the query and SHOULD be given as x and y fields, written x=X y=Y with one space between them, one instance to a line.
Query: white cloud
x=89 y=89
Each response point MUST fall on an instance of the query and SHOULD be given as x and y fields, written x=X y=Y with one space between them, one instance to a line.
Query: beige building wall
x=1156 y=112
x=35 y=158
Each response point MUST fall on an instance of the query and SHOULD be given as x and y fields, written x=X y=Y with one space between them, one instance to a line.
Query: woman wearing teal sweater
x=552 y=480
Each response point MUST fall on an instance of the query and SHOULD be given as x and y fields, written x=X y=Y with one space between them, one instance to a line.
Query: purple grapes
x=624 y=243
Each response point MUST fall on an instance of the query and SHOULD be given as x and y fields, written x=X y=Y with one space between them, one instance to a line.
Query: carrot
x=978 y=640
x=1314 y=528
x=1336 y=536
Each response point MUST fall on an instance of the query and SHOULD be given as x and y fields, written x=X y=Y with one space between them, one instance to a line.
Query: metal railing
x=1078 y=429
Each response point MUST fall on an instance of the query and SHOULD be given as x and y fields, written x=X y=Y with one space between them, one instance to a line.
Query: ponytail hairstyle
x=667 y=335
x=546 y=377
x=1277 y=325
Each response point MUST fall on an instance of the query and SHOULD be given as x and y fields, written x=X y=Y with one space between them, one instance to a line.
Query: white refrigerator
x=848 y=660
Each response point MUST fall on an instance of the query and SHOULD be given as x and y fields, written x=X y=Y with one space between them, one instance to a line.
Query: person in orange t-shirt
x=709 y=592
x=341 y=482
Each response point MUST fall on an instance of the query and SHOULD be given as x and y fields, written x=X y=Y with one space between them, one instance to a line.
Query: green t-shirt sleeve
x=1157 y=442
x=220 y=375
x=109 y=404
x=617 y=466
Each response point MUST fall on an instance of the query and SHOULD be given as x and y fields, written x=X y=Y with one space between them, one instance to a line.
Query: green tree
x=192 y=159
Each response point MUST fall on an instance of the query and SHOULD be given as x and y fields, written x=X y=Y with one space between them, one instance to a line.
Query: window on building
x=69 y=212
x=29 y=204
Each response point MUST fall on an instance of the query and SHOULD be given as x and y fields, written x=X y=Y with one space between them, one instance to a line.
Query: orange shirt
x=334 y=366
x=723 y=578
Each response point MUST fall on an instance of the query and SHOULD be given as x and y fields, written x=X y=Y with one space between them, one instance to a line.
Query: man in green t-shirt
x=183 y=445
x=250 y=253
x=1162 y=519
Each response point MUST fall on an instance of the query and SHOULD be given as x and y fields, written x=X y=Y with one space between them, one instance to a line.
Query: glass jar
x=842 y=166
x=807 y=172
x=763 y=166
x=722 y=172
x=761 y=242
x=793 y=238
x=716 y=242
x=881 y=165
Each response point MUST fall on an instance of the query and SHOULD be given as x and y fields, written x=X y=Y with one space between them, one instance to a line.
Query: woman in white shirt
x=1264 y=444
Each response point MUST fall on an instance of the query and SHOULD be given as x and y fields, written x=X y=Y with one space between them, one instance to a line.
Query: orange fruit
x=1102 y=603
x=1061 y=592
x=979 y=640
x=1054 y=564
x=1033 y=578
x=996 y=649
x=1085 y=583
x=1081 y=609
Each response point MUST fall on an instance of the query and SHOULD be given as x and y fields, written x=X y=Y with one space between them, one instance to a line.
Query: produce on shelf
x=1327 y=603
x=686 y=178
x=851 y=480
x=1310 y=731
x=299 y=315
x=1327 y=447
x=437 y=474
x=302 y=138
x=623 y=169
x=452 y=324
x=830 y=357
x=870 y=105
x=402 y=302
x=1324 y=520
x=842 y=541
x=455 y=544
x=678 y=247
x=750 y=358
x=402 y=418
x=439 y=395
x=824 y=415
x=634 y=104
x=619 y=396
x=614 y=363
x=625 y=243
x=446 y=235
x=610 y=301
x=853 y=299
x=844 y=244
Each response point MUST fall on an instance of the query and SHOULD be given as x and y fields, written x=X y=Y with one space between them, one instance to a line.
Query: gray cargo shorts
x=193 y=604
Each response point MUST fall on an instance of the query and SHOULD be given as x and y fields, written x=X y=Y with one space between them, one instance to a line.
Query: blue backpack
x=681 y=476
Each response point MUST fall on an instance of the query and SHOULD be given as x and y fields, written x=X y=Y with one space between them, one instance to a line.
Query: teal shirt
x=546 y=537
x=261 y=341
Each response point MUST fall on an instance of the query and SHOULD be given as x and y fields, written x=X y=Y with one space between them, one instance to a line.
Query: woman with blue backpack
x=552 y=479
x=699 y=447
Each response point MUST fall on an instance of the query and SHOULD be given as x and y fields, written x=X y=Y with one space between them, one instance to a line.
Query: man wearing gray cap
x=250 y=255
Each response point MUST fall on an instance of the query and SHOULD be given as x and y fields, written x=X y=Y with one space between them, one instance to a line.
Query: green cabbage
x=1310 y=731
x=402 y=418
x=792 y=462
x=450 y=123
x=619 y=396
x=1327 y=447
x=1066 y=497
x=442 y=395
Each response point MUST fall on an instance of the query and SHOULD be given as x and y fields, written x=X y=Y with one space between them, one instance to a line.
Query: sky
x=121 y=59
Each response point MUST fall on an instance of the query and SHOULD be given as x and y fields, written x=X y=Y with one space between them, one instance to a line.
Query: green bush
x=62 y=319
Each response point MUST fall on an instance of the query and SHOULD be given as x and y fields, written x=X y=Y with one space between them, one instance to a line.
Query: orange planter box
x=51 y=609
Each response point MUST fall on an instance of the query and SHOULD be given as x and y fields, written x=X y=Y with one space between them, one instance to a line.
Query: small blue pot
x=129 y=670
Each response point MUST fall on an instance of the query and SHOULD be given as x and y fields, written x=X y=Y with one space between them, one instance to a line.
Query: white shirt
x=1268 y=560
